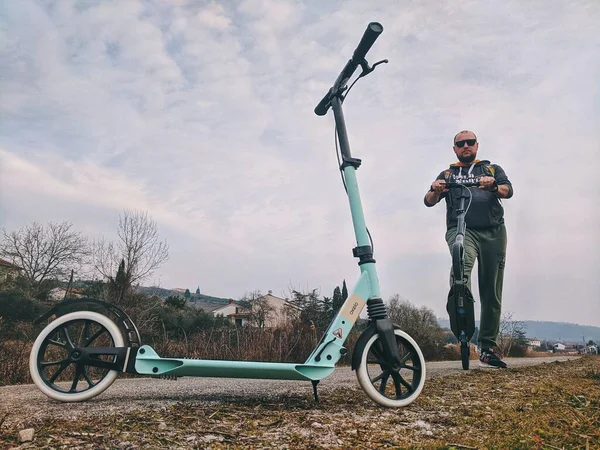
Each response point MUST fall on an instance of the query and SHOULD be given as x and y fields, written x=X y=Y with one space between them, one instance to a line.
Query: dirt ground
x=549 y=406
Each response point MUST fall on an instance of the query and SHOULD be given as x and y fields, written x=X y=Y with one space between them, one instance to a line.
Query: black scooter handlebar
x=324 y=104
x=374 y=29
x=451 y=184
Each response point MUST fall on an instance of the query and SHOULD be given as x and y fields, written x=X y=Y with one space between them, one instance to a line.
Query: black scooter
x=460 y=305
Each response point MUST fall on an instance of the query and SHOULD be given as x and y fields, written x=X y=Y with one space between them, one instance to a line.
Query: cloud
x=202 y=113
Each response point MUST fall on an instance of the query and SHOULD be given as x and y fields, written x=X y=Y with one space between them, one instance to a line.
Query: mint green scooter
x=79 y=354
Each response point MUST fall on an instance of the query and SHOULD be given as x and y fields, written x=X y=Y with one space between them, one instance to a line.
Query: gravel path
x=25 y=404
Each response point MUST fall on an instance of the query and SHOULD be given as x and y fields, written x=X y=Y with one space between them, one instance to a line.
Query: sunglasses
x=469 y=142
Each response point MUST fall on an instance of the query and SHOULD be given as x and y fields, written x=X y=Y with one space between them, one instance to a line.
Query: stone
x=26 y=435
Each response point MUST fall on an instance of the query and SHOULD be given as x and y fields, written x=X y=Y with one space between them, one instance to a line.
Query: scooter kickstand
x=314 y=384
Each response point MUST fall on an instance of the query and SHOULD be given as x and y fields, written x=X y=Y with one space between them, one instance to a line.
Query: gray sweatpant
x=488 y=246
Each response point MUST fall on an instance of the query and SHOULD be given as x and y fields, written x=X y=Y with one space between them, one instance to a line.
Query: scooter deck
x=148 y=362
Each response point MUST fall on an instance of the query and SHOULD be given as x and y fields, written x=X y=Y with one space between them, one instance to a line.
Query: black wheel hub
x=75 y=355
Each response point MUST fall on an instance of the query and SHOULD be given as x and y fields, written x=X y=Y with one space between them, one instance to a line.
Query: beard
x=467 y=159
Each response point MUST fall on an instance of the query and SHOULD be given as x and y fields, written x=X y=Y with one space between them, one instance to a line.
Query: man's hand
x=487 y=183
x=435 y=192
x=439 y=186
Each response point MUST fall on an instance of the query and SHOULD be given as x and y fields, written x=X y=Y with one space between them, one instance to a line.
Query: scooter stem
x=376 y=308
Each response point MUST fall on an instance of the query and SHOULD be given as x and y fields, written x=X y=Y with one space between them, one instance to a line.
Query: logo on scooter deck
x=352 y=308
x=338 y=333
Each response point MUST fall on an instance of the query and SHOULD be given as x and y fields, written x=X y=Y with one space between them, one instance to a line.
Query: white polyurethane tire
x=365 y=382
x=110 y=377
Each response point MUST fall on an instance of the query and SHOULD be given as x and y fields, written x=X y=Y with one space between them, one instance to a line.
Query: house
x=268 y=311
x=533 y=343
x=589 y=350
x=237 y=314
x=558 y=346
x=58 y=293
x=8 y=270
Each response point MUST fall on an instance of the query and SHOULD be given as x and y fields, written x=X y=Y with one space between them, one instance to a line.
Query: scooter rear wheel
x=53 y=362
x=381 y=383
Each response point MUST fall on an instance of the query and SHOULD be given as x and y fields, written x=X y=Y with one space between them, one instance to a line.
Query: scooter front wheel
x=381 y=383
x=53 y=361
x=465 y=355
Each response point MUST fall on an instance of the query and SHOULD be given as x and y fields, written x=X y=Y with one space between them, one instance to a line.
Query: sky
x=201 y=114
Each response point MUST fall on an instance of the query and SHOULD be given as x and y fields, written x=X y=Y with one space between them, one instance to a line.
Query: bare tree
x=419 y=322
x=45 y=252
x=260 y=308
x=511 y=332
x=138 y=250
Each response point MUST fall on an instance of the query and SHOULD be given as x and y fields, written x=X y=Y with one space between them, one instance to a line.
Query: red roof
x=6 y=263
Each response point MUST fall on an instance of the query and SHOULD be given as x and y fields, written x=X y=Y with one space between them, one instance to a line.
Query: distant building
x=236 y=313
x=58 y=293
x=533 y=343
x=589 y=350
x=558 y=346
x=8 y=270
x=274 y=312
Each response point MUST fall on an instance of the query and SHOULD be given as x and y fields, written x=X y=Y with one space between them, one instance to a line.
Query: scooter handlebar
x=374 y=29
x=451 y=184
x=324 y=104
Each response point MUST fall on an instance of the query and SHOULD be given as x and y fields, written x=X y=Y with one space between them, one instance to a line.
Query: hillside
x=552 y=331
x=164 y=293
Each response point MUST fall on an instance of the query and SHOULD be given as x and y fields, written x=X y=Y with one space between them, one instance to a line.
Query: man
x=485 y=236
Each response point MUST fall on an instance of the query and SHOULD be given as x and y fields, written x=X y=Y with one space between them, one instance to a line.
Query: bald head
x=465 y=146
x=464 y=134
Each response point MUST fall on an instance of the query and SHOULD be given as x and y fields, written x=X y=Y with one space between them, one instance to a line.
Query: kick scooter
x=79 y=354
x=460 y=305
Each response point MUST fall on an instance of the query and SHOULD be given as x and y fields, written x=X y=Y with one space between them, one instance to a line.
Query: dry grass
x=550 y=406
x=14 y=362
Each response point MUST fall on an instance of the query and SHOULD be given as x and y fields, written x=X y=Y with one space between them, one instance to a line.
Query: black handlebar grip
x=456 y=185
x=323 y=106
x=374 y=29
